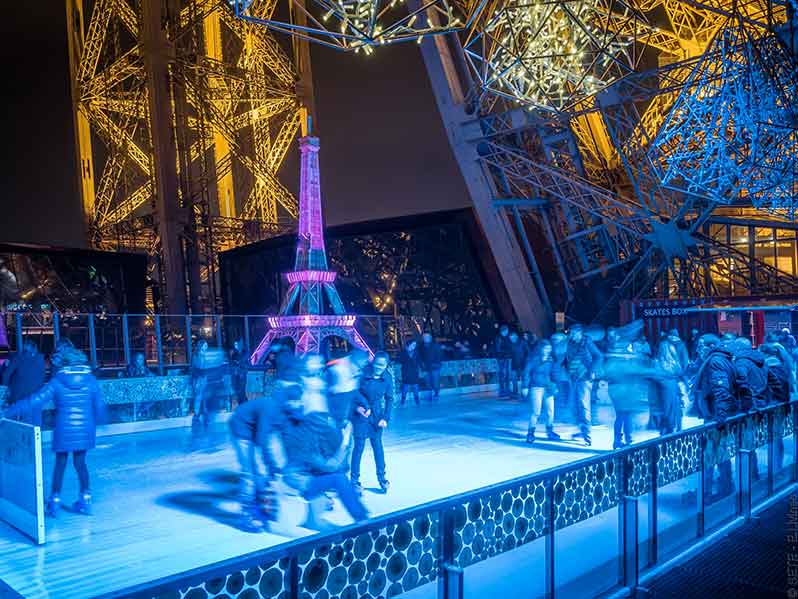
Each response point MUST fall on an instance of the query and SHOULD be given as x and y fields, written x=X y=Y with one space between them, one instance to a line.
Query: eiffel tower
x=312 y=309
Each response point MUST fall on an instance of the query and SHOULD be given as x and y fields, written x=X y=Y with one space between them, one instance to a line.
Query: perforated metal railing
x=657 y=496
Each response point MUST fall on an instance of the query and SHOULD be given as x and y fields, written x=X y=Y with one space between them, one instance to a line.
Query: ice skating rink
x=160 y=509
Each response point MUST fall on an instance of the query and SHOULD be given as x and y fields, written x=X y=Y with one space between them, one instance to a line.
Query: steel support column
x=448 y=89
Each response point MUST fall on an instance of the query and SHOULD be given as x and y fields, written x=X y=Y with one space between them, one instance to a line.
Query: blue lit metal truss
x=599 y=139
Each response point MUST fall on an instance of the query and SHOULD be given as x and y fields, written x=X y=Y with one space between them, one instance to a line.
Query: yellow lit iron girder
x=258 y=88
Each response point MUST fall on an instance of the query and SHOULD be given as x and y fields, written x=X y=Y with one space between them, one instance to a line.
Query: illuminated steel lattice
x=362 y=24
x=552 y=54
x=733 y=132
x=305 y=316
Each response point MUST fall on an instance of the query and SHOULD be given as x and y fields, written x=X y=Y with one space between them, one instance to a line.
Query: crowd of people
x=313 y=425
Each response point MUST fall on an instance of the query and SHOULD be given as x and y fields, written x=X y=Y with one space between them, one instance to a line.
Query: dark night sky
x=384 y=151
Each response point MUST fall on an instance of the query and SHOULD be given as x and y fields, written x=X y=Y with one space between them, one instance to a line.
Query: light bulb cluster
x=552 y=54
x=360 y=25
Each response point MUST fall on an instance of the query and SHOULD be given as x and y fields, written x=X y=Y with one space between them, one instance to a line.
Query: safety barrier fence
x=167 y=341
x=575 y=530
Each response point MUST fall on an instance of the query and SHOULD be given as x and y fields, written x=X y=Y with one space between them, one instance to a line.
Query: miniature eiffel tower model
x=305 y=316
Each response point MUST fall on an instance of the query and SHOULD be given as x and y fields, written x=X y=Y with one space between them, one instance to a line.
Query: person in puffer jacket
x=751 y=376
x=78 y=407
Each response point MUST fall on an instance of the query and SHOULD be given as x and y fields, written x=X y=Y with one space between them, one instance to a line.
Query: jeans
x=504 y=375
x=253 y=482
x=540 y=397
x=379 y=456
x=79 y=461
x=412 y=388
x=338 y=483
x=580 y=393
x=622 y=427
x=433 y=380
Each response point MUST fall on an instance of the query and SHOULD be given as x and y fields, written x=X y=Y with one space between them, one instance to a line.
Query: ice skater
x=251 y=428
x=78 y=407
x=371 y=416
x=316 y=449
x=540 y=387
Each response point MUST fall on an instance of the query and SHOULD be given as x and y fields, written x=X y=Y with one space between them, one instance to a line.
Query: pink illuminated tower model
x=304 y=316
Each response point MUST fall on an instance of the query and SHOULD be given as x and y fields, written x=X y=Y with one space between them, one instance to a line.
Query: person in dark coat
x=371 y=416
x=74 y=392
x=781 y=384
x=518 y=358
x=343 y=392
x=316 y=449
x=138 y=367
x=411 y=371
x=751 y=376
x=502 y=351
x=668 y=368
x=430 y=357
x=715 y=398
x=540 y=386
x=25 y=372
x=251 y=428
x=239 y=365
x=582 y=361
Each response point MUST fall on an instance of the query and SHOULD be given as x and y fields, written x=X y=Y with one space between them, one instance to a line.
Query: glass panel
x=175 y=350
x=763 y=233
x=785 y=256
x=738 y=235
x=720 y=494
x=108 y=332
x=677 y=516
x=498 y=576
x=581 y=573
x=785 y=234
x=765 y=251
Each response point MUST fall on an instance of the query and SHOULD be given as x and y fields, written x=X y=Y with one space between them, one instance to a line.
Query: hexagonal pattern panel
x=268 y=581
x=381 y=563
x=583 y=493
x=492 y=524
x=638 y=472
x=677 y=459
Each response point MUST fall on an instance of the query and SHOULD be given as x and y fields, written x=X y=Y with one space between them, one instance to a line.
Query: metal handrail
x=440 y=507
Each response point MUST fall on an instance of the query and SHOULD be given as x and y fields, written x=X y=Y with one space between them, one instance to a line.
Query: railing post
x=653 y=528
x=92 y=342
x=56 y=328
x=246 y=335
x=631 y=573
x=159 y=343
x=126 y=338
x=189 y=348
x=701 y=495
x=745 y=462
x=20 y=341
x=549 y=577
x=771 y=451
x=450 y=583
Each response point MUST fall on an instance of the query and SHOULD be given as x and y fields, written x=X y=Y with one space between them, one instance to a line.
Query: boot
x=588 y=440
x=53 y=505
x=83 y=504
x=617 y=444
x=530 y=435
x=252 y=519
x=551 y=434
x=385 y=485
x=357 y=487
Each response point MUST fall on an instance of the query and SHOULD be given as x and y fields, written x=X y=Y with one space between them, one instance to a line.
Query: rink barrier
x=438 y=541
x=167 y=398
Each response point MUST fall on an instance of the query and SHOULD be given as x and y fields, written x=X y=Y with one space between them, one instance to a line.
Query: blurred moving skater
x=316 y=448
x=207 y=381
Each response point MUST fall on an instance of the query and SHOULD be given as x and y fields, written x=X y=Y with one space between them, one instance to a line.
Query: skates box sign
x=21 y=481
x=665 y=311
